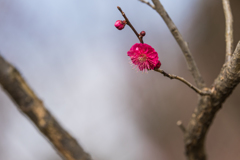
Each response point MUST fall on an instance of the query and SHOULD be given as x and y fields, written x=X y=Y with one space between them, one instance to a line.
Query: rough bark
x=224 y=84
x=26 y=101
x=208 y=106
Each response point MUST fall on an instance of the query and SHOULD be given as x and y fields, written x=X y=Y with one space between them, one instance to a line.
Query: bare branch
x=201 y=92
x=229 y=29
x=208 y=106
x=181 y=126
x=130 y=25
x=148 y=3
x=26 y=101
x=183 y=45
x=223 y=86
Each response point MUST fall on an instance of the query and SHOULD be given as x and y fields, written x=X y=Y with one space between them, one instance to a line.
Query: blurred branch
x=208 y=106
x=236 y=57
x=181 y=126
x=26 y=101
x=229 y=29
x=201 y=92
x=183 y=45
x=148 y=3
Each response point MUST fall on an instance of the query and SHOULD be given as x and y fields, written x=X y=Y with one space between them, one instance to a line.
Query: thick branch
x=208 y=106
x=201 y=92
x=183 y=45
x=229 y=29
x=26 y=101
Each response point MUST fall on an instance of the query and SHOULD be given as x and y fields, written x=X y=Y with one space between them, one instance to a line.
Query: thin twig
x=27 y=102
x=183 y=45
x=229 y=29
x=148 y=3
x=181 y=126
x=130 y=25
x=201 y=92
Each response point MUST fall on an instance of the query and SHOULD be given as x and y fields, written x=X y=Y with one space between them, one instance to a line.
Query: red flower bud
x=142 y=34
x=158 y=65
x=120 y=24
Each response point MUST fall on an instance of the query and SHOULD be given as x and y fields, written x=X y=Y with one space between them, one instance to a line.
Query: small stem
x=201 y=92
x=130 y=25
x=181 y=126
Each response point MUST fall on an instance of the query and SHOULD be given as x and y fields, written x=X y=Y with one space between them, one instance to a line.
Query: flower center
x=142 y=58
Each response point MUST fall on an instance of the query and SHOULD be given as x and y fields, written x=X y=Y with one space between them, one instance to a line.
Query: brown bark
x=208 y=106
x=26 y=101
x=224 y=84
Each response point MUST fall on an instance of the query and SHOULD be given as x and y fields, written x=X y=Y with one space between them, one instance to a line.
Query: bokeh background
x=75 y=60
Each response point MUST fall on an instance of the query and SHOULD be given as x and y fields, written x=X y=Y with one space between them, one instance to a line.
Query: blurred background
x=75 y=60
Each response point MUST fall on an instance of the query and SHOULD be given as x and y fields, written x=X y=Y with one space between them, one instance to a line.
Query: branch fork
x=224 y=84
x=199 y=91
x=130 y=25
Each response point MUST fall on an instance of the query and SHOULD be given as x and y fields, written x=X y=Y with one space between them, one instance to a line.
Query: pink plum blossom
x=144 y=56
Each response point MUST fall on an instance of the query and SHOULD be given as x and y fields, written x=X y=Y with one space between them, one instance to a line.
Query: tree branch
x=148 y=3
x=225 y=83
x=183 y=45
x=181 y=126
x=208 y=106
x=201 y=92
x=130 y=25
x=236 y=56
x=26 y=101
x=229 y=29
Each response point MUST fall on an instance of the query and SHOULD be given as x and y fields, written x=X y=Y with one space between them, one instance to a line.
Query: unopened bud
x=142 y=34
x=158 y=65
x=120 y=24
